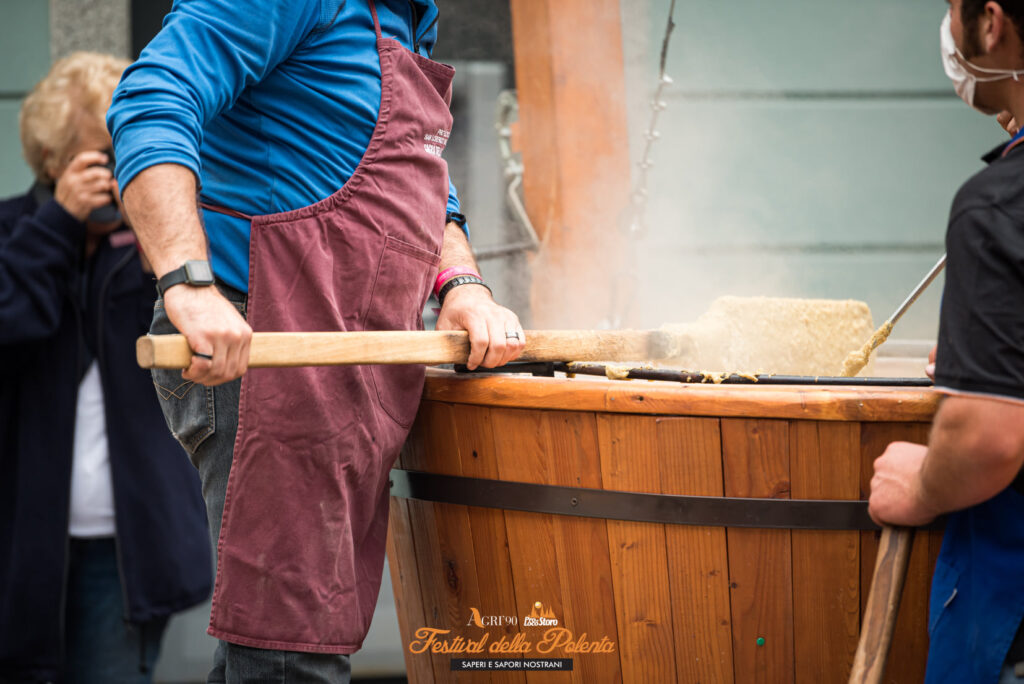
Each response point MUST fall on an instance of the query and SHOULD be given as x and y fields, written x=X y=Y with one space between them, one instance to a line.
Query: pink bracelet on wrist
x=449 y=273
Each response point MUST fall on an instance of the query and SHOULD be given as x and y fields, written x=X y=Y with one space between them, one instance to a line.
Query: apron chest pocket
x=400 y=290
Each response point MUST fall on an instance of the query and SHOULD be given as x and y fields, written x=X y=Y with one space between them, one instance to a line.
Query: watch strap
x=194 y=272
x=456 y=218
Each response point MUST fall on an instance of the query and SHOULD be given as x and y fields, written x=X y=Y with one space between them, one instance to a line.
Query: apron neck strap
x=376 y=21
x=226 y=212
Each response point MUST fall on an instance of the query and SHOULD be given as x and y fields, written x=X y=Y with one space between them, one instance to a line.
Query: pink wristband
x=449 y=273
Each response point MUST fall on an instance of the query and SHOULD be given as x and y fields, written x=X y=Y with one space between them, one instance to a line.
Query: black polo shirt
x=981 y=326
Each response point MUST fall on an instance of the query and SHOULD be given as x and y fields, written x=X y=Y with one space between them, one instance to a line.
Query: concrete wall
x=25 y=54
x=808 y=149
x=98 y=25
x=33 y=34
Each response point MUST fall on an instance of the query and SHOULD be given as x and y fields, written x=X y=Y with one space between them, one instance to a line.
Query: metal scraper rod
x=549 y=369
x=856 y=361
x=921 y=287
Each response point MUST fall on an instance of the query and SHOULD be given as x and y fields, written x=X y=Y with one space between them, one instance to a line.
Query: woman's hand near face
x=84 y=185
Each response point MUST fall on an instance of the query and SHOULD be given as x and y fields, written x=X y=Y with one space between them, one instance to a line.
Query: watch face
x=198 y=272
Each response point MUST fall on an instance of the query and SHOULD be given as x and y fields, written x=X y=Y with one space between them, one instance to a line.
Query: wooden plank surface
x=669 y=398
x=475 y=437
x=825 y=464
x=581 y=545
x=522 y=444
x=403 y=563
x=755 y=457
x=690 y=456
x=629 y=462
x=809 y=636
x=444 y=538
x=908 y=656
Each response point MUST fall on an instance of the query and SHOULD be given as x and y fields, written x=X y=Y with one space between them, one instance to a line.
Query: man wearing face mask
x=971 y=468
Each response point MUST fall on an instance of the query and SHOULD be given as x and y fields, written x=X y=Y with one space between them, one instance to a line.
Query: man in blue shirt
x=971 y=467
x=312 y=132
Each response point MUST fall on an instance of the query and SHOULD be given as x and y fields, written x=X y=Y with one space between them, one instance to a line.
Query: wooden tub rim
x=850 y=404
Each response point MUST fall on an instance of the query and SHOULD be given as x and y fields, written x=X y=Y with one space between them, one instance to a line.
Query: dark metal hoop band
x=797 y=514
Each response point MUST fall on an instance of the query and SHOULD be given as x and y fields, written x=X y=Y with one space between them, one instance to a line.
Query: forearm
x=161 y=205
x=495 y=334
x=162 y=208
x=456 y=250
x=967 y=463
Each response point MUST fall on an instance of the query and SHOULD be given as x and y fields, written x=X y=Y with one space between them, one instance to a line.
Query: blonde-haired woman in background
x=102 y=526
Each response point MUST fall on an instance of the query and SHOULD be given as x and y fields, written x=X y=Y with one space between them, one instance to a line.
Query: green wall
x=808 y=149
x=25 y=55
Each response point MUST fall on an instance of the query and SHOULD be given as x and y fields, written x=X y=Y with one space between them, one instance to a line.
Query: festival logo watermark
x=537 y=641
x=540 y=617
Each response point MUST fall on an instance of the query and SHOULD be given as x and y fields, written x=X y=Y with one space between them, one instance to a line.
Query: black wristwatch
x=195 y=273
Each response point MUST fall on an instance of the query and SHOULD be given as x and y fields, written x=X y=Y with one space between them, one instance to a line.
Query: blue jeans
x=205 y=421
x=101 y=647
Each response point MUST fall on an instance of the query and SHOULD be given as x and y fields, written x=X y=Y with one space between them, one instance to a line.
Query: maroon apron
x=301 y=548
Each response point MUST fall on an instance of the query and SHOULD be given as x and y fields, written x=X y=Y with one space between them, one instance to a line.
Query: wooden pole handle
x=276 y=350
x=883 y=605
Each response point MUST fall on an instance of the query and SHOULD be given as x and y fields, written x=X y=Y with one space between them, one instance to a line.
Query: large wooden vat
x=687 y=603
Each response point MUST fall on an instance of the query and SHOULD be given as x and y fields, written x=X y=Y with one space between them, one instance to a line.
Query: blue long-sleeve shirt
x=271 y=103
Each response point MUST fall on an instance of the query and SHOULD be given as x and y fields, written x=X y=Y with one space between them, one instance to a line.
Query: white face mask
x=964 y=82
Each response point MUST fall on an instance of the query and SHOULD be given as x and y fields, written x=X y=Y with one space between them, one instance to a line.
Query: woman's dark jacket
x=57 y=313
